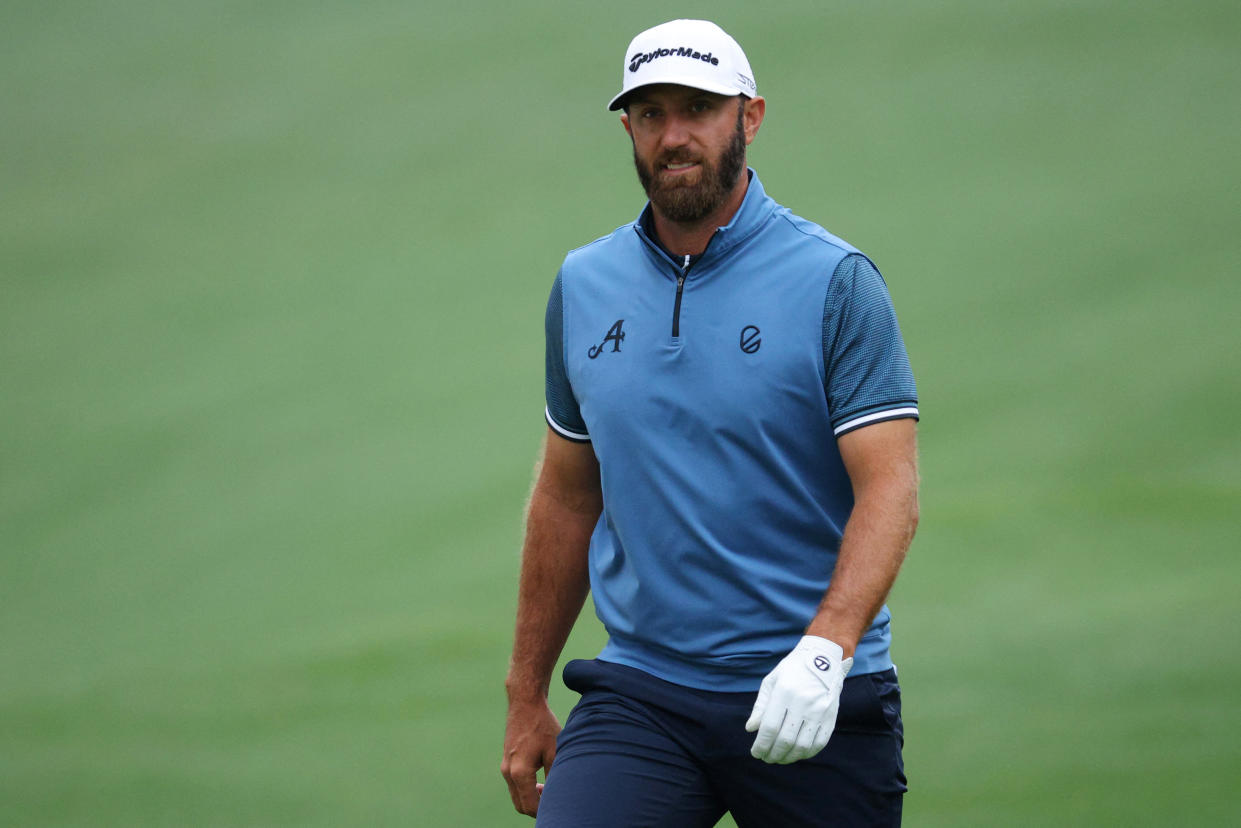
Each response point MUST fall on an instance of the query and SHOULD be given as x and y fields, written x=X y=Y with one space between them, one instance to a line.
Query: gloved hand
x=797 y=702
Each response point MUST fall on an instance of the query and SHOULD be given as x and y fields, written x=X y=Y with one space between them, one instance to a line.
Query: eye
x=700 y=105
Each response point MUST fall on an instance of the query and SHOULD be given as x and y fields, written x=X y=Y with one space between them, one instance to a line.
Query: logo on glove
x=822 y=663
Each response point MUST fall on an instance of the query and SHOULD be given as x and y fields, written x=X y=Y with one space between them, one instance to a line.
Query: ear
x=755 y=109
x=625 y=122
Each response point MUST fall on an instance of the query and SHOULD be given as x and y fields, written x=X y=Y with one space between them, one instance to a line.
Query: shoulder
x=813 y=235
x=604 y=266
x=601 y=248
x=811 y=247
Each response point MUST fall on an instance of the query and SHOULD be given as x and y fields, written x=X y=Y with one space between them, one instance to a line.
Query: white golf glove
x=797 y=703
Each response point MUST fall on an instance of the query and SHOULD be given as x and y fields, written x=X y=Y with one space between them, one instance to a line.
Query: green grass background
x=273 y=277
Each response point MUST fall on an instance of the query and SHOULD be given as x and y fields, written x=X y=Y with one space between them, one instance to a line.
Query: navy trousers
x=640 y=752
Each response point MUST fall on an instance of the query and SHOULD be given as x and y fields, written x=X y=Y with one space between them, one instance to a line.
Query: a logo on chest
x=750 y=340
x=615 y=335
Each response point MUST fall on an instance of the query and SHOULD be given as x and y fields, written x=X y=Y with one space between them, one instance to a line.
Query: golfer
x=730 y=471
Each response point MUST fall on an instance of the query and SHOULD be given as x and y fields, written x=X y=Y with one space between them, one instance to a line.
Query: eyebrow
x=702 y=95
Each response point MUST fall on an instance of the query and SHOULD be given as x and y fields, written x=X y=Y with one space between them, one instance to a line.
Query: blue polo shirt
x=713 y=392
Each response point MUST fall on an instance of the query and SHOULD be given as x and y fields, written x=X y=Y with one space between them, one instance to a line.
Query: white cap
x=694 y=53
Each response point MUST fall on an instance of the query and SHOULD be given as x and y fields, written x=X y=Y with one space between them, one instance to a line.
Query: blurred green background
x=272 y=279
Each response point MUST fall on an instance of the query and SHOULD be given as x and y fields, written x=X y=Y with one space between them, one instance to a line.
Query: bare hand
x=529 y=744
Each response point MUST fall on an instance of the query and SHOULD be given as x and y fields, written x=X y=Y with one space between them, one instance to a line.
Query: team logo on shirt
x=615 y=335
x=750 y=339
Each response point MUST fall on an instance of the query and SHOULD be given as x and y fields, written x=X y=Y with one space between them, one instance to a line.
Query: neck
x=691 y=238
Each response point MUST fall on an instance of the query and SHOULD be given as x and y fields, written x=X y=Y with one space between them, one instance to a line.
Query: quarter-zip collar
x=755 y=211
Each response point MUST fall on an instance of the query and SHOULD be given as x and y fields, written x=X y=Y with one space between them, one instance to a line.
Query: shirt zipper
x=676 y=307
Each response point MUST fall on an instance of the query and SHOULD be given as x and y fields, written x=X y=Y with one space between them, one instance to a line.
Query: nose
x=676 y=132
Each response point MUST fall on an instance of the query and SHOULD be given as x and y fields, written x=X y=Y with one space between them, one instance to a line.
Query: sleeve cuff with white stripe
x=567 y=433
x=902 y=413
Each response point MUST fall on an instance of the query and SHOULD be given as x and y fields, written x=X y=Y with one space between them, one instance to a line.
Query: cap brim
x=692 y=82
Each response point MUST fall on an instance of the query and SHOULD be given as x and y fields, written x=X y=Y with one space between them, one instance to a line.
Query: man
x=730 y=469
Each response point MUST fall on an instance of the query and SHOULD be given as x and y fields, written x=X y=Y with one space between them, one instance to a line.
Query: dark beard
x=687 y=204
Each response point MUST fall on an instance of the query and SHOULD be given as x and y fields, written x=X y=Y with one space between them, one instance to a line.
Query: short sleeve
x=562 y=412
x=867 y=377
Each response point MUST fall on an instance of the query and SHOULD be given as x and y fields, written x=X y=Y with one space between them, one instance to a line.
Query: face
x=688 y=148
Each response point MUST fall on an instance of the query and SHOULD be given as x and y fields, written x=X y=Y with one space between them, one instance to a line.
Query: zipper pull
x=676 y=305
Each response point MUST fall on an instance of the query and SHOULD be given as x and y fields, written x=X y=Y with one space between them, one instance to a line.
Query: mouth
x=678 y=167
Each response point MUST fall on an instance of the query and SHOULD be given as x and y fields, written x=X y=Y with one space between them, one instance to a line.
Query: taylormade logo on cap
x=714 y=62
x=639 y=59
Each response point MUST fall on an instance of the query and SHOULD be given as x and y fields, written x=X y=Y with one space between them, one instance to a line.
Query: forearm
x=553 y=586
x=877 y=535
